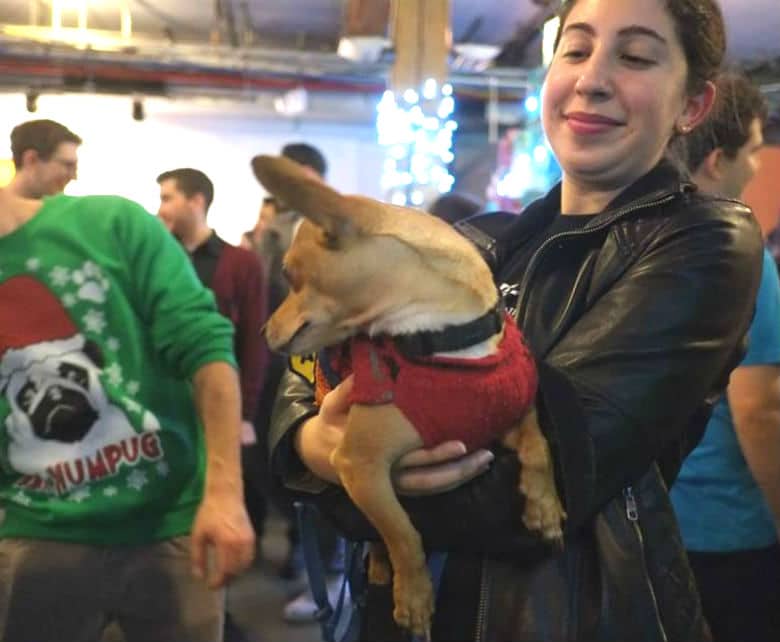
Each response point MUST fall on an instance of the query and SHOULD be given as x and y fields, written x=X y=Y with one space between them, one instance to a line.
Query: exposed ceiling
x=754 y=25
x=258 y=45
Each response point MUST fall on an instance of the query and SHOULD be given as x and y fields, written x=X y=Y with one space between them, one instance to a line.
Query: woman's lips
x=584 y=123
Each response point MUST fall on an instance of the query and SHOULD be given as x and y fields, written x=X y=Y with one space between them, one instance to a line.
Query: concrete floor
x=256 y=599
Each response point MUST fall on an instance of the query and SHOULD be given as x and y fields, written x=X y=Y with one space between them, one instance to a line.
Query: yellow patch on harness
x=303 y=366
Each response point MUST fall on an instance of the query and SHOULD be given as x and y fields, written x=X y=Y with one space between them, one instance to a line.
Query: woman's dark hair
x=700 y=29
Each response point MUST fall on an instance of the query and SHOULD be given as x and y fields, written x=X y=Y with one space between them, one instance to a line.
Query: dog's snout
x=285 y=347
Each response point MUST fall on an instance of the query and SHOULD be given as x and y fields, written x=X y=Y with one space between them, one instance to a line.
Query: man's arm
x=754 y=399
x=222 y=522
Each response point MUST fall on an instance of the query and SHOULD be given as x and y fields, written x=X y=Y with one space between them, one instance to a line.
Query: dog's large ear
x=291 y=184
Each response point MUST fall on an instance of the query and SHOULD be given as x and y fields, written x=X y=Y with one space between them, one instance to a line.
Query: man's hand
x=222 y=538
x=223 y=542
x=420 y=472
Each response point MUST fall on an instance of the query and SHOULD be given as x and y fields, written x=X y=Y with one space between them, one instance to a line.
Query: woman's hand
x=420 y=472
x=438 y=469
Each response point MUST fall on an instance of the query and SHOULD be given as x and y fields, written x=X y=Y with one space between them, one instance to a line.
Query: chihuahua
x=404 y=302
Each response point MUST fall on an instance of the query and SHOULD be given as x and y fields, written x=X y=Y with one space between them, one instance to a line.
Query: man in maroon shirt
x=235 y=275
x=232 y=273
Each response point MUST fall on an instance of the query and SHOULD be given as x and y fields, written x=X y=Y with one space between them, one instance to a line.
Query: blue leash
x=341 y=623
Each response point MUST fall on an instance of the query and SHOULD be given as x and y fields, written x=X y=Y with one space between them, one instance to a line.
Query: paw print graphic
x=91 y=282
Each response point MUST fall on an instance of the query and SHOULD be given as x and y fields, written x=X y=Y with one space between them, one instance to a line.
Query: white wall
x=121 y=156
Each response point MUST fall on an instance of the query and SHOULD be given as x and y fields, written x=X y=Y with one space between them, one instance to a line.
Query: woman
x=634 y=293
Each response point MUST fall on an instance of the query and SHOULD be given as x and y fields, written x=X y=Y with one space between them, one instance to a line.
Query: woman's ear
x=697 y=107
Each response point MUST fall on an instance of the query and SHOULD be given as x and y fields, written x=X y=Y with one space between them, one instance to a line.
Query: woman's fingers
x=440 y=477
x=427 y=456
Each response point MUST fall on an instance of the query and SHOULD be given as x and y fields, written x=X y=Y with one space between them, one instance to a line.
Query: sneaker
x=303 y=609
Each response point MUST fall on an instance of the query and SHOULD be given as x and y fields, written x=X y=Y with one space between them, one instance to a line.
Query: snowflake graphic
x=92 y=284
x=91 y=269
x=60 y=276
x=33 y=264
x=94 y=320
x=69 y=300
x=110 y=491
x=113 y=344
x=21 y=498
x=137 y=479
x=114 y=374
x=163 y=469
x=133 y=387
x=79 y=495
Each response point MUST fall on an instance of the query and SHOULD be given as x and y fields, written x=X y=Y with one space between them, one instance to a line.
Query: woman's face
x=615 y=91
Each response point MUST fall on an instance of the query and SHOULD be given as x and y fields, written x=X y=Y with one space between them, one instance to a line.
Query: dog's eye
x=26 y=396
x=331 y=241
x=74 y=373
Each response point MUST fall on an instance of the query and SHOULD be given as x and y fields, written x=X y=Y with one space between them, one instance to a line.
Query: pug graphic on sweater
x=59 y=410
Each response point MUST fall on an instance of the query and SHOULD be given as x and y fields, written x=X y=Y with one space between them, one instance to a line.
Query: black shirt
x=205 y=258
x=561 y=223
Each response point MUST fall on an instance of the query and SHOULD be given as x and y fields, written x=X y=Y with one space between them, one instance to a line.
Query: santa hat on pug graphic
x=30 y=314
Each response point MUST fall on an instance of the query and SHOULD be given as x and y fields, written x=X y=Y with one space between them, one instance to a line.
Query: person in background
x=634 y=295
x=727 y=495
x=119 y=429
x=453 y=207
x=45 y=155
x=236 y=278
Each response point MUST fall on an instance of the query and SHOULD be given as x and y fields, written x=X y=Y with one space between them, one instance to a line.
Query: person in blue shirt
x=727 y=495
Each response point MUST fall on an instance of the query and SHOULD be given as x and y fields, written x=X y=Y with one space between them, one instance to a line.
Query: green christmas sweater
x=103 y=322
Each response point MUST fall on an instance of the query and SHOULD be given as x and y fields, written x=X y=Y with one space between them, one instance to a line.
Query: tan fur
x=359 y=265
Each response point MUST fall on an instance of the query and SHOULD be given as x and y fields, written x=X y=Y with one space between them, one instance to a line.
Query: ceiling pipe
x=222 y=61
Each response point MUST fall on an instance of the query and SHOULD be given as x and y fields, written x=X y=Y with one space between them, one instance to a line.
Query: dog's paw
x=543 y=511
x=414 y=602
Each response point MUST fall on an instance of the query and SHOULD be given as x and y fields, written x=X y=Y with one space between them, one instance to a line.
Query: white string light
x=417 y=132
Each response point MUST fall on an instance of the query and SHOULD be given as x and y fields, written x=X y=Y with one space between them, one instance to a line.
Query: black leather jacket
x=631 y=359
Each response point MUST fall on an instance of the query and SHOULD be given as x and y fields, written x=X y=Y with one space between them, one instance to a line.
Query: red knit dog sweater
x=470 y=400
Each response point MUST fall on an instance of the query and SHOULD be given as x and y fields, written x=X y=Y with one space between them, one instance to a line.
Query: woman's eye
x=574 y=54
x=637 y=61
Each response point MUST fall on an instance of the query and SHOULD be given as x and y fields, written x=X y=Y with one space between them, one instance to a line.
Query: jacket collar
x=665 y=177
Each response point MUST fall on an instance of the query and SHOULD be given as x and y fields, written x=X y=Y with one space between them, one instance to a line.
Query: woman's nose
x=594 y=80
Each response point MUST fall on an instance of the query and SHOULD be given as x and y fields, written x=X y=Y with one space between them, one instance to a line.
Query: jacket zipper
x=483 y=602
x=632 y=513
x=620 y=213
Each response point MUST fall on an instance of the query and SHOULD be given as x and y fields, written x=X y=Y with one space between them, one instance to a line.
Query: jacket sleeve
x=293 y=405
x=185 y=329
x=251 y=350
x=624 y=383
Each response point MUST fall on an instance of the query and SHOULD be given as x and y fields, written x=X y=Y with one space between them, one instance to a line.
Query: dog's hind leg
x=375 y=438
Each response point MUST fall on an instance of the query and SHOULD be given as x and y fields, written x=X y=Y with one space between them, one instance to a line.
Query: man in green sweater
x=120 y=477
